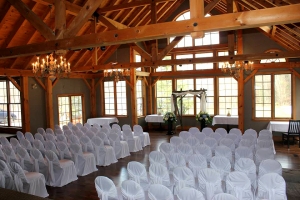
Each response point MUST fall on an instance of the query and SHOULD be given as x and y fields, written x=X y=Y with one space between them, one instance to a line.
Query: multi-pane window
x=115 y=100
x=163 y=95
x=280 y=100
x=204 y=65
x=139 y=98
x=70 y=109
x=137 y=58
x=10 y=105
x=228 y=96
x=188 y=100
x=184 y=66
x=208 y=84
x=166 y=67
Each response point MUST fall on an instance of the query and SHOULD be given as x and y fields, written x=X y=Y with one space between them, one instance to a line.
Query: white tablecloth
x=280 y=126
x=223 y=119
x=102 y=120
x=154 y=118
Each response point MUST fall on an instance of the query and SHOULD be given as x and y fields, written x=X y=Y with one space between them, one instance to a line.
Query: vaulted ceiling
x=30 y=27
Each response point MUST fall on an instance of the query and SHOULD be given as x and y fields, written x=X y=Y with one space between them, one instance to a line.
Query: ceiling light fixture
x=235 y=68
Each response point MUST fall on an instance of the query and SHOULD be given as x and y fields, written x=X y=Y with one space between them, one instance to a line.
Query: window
x=163 y=95
x=137 y=58
x=164 y=68
x=280 y=100
x=10 y=105
x=70 y=109
x=188 y=100
x=184 y=66
x=206 y=83
x=115 y=92
x=139 y=98
x=228 y=96
x=204 y=65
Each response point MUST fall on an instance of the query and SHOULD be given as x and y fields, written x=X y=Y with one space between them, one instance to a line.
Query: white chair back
x=222 y=132
x=137 y=172
x=166 y=148
x=14 y=144
x=271 y=186
x=224 y=196
x=157 y=157
x=159 y=192
x=207 y=131
x=200 y=137
x=105 y=188
x=189 y=194
x=194 y=130
x=205 y=151
x=131 y=190
x=243 y=152
x=29 y=137
x=159 y=175
x=183 y=177
x=228 y=143
x=269 y=166
x=212 y=143
x=247 y=166
x=184 y=135
x=6 y=179
x=239 y=185
x=225 y=152
x=175 y=160
x=221 y=165
x=196 y=163
x=39 y=145
x=185 y=150
x=20 y=135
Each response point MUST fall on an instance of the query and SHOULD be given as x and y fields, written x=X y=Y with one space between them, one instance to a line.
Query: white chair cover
x=25 y=161
x=196 y=163
x=104 y=137
x=91 y=134
x=157 y=157
x=40 y=146
x=224 y=196
x=118 y=131
x=250 y=131
x=26 y=144
x=97 y=126
x=265 y=132
x=105 y=188
x=251 y=138
x=105 y=155
x=84 y=130
x=40 y=163
x=243 y=152
x=39 y=136
x=41 y=131
x=2 y=156
x=29 y=137
x=50 y=137
x=207 y=131
x=189 y=194
x=78 y=133
x=79 y=125
x=228 y=143
x=176 y=141
x=138 y=131
x=10 y=154
x=263 y=154
x=247 y=143
x=200 y=137
x=205 y=151
x=70 y=125
x=216 y=136
x=138 y=173
x=65 y=127
x=20 y=135
x=236 y=131
x=212 y=143
x=247 y=166
x=31 y=182
x=166 y=148
x=159 y=192
x=134 y=142
x=265 y=144
x=222 y=132
x=87 y=125
x=183 y=177
x=61 y=172
x=264 y=137
x=85 y=163
x=222 y=165
x=175 y=160
x=68 y=133
x=58 y=132
x=185 y=150
x=192 y=141
x=106 y=126
x=86 y=144
x=131 y=190
x=184 y=135
x=126 y=126
x=14 y=144
x=194 y=130
x=49 y=130
x=73 y=139
x=4 y=141
x=49 y=145
x=269 y=166
x=235 y=138
x=271 y=186
x=239 y=185
x=159 y=175
x=61 y=138
x=210 y=182
x=225 y=152
x=63 y=150
x=105 y=130
x=121 y=148
x=93 y=130
x=139 y=128
x=6 y=179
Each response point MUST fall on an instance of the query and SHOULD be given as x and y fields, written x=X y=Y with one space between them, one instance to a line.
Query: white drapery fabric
x=6 y=179
x=159 y=192
x=247 y=166
x=105 y=188
x=239 y=185
x=131 y=190
x=183 y=177
x=221 y=165
x=268 y=166
x=189 y=194
x=157 y=157
x=203 y=102
x=224 y=196
x=159 y=175
x=197 y=162
x=271 y=186
x=138 y=173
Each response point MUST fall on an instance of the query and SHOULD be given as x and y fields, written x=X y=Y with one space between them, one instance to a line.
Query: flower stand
x=202 y=124
x=170 y=128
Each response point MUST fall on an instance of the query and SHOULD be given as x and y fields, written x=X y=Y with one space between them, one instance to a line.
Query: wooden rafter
x=141 y=51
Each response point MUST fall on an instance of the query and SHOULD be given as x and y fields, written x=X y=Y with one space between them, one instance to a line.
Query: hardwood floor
x=84 y=187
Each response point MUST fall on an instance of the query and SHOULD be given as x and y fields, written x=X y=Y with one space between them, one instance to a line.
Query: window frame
x=142 y=97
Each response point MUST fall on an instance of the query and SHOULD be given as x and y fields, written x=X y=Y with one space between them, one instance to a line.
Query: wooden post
x=49 y=104
x=93 y=98
x=60 y=18
x=241 y=107
x=133 y=96
x=25 y=105
x=197 y=11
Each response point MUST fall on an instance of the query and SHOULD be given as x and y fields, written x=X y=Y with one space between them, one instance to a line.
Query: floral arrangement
x=169 y=116
x=202 y=115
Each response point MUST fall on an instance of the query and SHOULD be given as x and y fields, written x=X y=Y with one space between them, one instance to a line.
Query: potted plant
x=204 y=118
x=169 y=117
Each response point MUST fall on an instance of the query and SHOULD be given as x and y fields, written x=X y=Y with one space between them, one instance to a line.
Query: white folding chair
x=194 y=131
x=63 y=150
x=265 y=132
x=269 y=166
x=40 y=146
x=197 y=162
x=247 y=166
x=79 y=125
x=40 y=163
x=30 y=182
x=207 y=131
x=6 y=179
x=131 y=190
x=20 y=135
x=106 y=189
x=250 y=131
x=14 y=144
x=235 y=138
x=200 y=137
x=61 y=138
x=224 y=196
x=271 y=186
x=50 y=137
x=25 y=161
x=134 y=142
x=4 y=141
x=222 y=132
x=138 y=173
x=85 y=162
x=188 y=193
x=121 y=148
x=139 y=129
x=222 y=165
x=49 y=145
x=87 y=125
x=239 y=185
x=10 y=154
x=209 y=182
x=228 y=143
x=159 y=192
x=86 y=144
x=26 y=144
x=157 y=157
x=216 y=136
x=175 y=160
x=94 y=130
x=39 y=136
x=159 y=175
x=247 y=143
x=166 y=148
x=49 y=130
x=185 y=150
x=263 y=154
x=237 y=132
x=104 y=137
x=29 y=137
x=84 y=130
x=91 y=134
x=205 y=151
x=212 y=143
x=243 y=152
x=183 y=177
x=184 y=135
x=176 y=141
x=97 y=126
x=225 y=152
x=192 y=141
x=73 y=139
x=61 y=172
x=104 y=154
x=251 y=138
x=126 y=126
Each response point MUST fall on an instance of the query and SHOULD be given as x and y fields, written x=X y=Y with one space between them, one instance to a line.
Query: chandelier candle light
x=116 y=73
x=234 y=69
x=51 y=67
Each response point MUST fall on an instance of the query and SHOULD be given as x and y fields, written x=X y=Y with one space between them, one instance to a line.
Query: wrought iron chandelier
x=235 y=68
x=51 y=67
x=116 y=73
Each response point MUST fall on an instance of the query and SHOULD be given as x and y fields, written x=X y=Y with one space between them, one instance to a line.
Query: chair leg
x=288 y=141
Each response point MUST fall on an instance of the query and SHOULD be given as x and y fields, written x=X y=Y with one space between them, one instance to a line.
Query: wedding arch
x=179 y=95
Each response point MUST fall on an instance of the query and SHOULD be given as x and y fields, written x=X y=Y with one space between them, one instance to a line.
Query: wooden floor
x=84 y=187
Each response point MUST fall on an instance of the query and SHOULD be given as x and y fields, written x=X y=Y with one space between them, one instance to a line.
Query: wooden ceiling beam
x=71 y=8
x=249 y=57
x=231 y=21
x=111 y=24
x=4 y=12
x=211 y=6
x=34 y=20
x=141 y=51
x=168 y=48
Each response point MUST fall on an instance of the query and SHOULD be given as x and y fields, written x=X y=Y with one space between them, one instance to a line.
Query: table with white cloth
x=278 y=126
x=227 y=120
x=102 y=120
x=155 y=118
